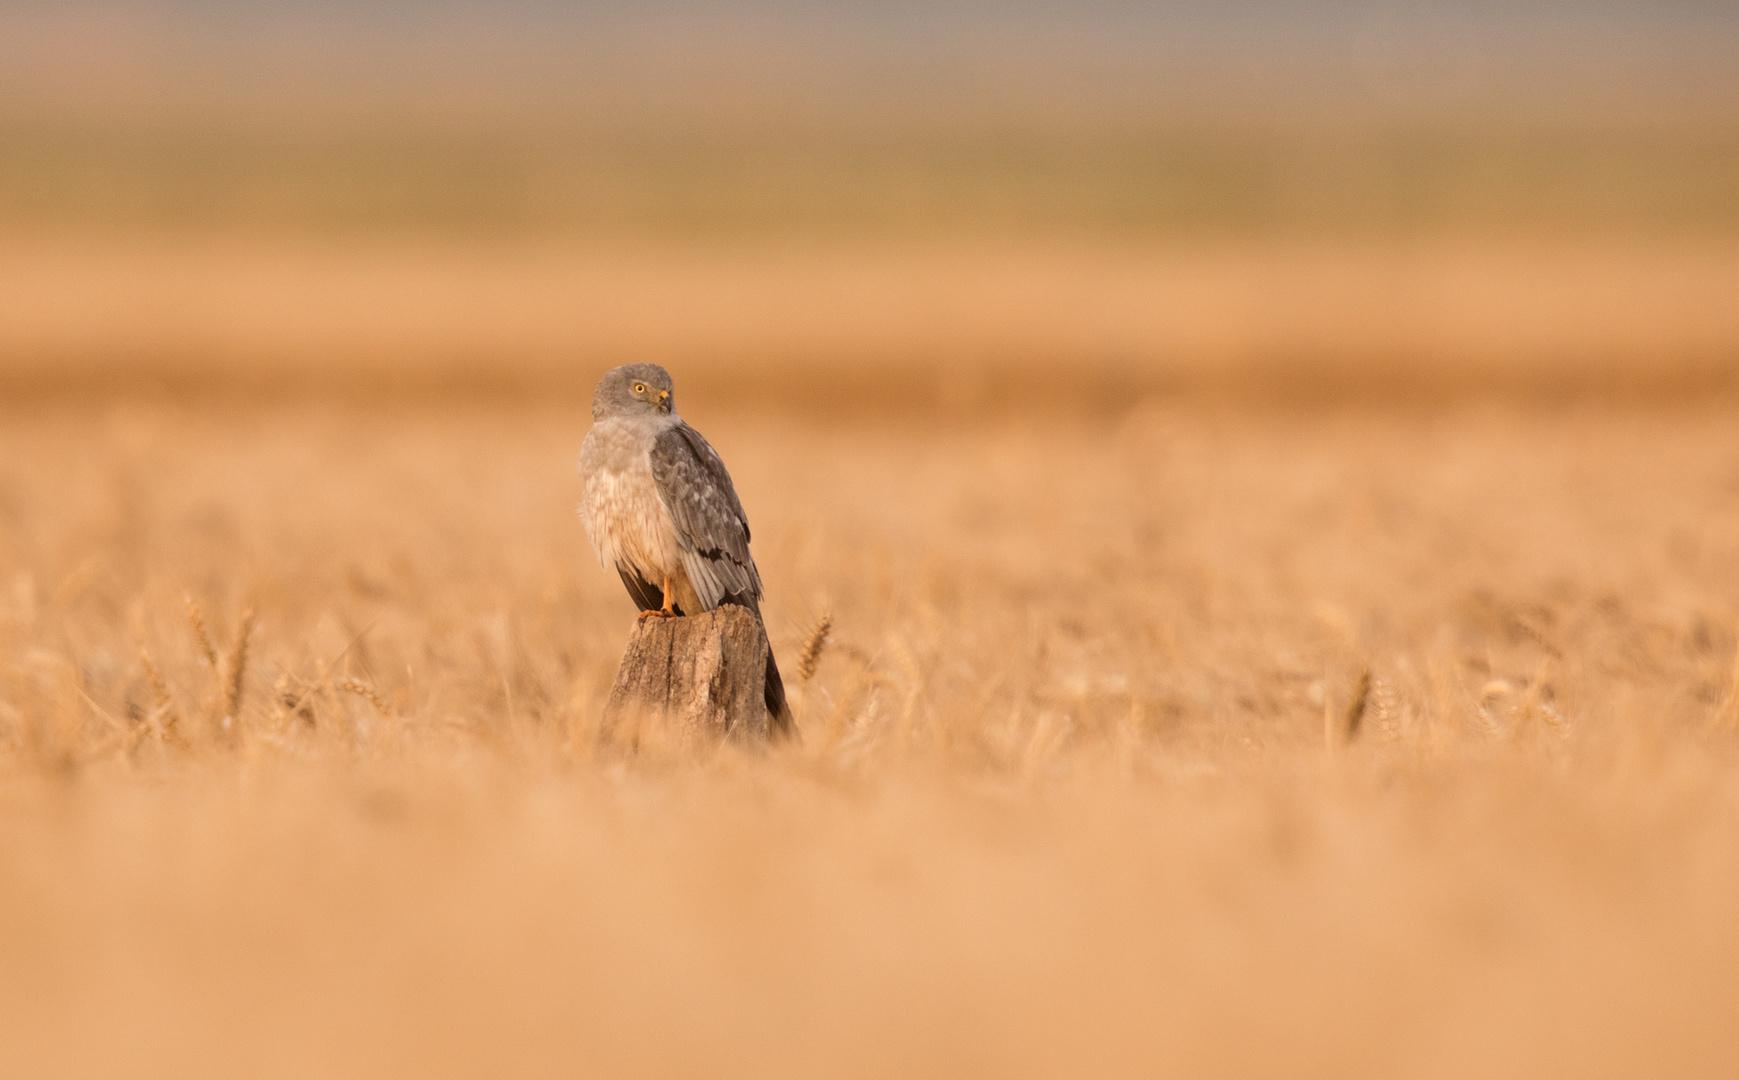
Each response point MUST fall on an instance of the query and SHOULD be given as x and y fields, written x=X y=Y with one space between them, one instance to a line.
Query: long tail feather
x=776 y=705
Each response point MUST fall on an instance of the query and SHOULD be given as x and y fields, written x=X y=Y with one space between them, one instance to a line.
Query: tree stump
x=692 y=675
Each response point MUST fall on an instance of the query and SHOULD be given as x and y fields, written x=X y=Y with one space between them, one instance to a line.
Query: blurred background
x=1001 y=203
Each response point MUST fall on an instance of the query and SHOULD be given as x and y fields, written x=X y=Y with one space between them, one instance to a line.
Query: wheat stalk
x=165 y=710
x=810 y=655
x=1356 y=707
x=197 y=620
x=238 y=663
x=159 y=688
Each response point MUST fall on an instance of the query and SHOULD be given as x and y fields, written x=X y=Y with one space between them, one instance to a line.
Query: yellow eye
x=639 y=388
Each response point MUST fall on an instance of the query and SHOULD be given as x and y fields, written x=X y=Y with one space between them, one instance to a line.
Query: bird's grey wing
x=709 y=519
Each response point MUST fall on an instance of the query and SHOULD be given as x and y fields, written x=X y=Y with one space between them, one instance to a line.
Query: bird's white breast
x=625 y=518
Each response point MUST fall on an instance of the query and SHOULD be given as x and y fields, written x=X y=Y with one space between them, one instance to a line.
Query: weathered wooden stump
x=697 y=675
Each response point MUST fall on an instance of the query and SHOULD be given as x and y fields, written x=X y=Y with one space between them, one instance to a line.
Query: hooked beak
x=664 y=400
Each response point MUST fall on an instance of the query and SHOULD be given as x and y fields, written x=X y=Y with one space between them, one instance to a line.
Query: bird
x=660 y=509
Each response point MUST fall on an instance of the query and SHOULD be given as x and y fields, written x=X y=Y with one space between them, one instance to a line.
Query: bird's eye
x=639 y=388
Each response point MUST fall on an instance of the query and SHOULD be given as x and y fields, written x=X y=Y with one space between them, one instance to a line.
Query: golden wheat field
x=1248 y=497
x=300 y=776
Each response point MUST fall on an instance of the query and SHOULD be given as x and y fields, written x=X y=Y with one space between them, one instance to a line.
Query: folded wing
x=710 y=524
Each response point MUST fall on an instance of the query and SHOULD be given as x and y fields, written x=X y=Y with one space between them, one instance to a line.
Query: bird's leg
x=668 y=611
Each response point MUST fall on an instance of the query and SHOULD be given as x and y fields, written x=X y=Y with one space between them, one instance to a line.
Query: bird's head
x=634 y=390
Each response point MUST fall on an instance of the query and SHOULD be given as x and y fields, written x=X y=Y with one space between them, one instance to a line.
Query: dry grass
x=1260 y=597
x=1061 y=805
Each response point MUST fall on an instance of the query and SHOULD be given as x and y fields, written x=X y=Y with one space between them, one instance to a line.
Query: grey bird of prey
x=660 y=509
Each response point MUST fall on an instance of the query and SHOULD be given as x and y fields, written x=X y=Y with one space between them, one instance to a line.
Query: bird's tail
x=780 y=712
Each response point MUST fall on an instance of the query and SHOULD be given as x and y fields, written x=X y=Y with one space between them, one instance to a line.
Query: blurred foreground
x=1072 y=795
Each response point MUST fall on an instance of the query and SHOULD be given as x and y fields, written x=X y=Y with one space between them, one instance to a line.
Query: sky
x=792 y=53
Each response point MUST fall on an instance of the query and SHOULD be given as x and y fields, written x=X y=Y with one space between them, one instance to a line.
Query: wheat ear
x=813 y=647
x=367 y=693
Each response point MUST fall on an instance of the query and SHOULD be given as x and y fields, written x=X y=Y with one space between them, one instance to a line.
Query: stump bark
x=697 y=675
